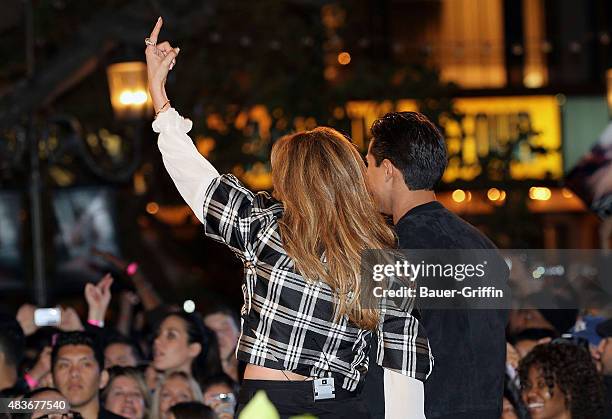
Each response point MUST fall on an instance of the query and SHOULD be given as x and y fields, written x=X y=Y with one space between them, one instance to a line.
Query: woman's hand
x=160 y=60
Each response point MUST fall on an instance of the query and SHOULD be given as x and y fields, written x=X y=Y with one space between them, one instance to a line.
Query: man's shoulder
x=440 y=228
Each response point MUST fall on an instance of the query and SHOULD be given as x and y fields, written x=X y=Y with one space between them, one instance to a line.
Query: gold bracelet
x=161 y=109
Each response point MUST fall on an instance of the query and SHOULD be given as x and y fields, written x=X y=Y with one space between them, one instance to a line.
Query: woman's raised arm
x=190 y=171
x=160 y=60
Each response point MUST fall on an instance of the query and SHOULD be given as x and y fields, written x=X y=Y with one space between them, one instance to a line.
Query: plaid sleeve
x=233 y=214
x=402 y=343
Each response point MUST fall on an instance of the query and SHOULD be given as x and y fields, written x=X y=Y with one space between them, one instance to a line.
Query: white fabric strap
x=404 y=396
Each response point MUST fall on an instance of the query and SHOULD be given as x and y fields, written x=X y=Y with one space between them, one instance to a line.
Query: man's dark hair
x=114 y=338
x=223 y=309
x=413 y=144
x=12 y=340
x=77 y=338
x=572 y=369
x=218 y=379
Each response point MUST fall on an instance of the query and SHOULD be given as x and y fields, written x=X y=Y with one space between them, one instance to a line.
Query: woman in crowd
x=305 y=333
x=183 y=343
x=126 y=393
x=175 y=387
x=559 y=381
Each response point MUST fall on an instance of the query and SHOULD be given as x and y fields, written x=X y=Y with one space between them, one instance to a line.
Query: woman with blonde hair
x=126 y=393
x=175 y=387
x=305 y=334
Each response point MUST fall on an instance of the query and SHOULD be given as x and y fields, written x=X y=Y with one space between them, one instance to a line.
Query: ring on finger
x=149 y=42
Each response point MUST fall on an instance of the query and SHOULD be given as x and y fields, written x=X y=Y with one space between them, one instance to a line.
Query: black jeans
x=292 y=398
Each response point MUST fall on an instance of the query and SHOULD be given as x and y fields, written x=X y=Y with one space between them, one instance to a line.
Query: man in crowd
x=406 y=159
x=12 y=346
x=559 y=320
x=223 y=322
x=120 y=351
x=77 y=368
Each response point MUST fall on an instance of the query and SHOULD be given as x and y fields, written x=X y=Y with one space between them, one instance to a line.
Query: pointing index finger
x=156 y=29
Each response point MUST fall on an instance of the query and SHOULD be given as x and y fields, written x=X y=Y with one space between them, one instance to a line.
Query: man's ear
x=393 y=173
x=103 y=379
x=388 y=167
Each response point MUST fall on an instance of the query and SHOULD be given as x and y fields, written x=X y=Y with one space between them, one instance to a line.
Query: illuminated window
x=472 y=40
x=535 y=72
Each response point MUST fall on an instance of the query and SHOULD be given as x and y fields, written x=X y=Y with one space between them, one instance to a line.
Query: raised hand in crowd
x=512 y=356
x=115 y=261
x=127 y=301
x=70 y=321
x=25 y=317
x=148 y=297
x=42 y=367
x=98 y=298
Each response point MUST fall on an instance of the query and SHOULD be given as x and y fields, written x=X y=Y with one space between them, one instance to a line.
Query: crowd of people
x=559 y=364
x=175 y=364
x=168 y=364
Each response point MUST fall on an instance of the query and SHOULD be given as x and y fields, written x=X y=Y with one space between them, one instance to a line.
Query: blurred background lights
x=152 y=208
x=539 y=193
x=493 y=194
x=344 y=58
x=130 y=97
x=458 y=195
x=189 y=306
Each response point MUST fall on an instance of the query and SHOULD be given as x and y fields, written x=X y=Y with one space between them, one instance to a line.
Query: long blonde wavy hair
x=320 y=178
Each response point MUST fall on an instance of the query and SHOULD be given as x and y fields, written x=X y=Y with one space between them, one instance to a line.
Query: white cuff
x=171 y=119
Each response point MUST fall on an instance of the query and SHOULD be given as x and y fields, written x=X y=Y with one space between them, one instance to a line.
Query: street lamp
x=127 y=83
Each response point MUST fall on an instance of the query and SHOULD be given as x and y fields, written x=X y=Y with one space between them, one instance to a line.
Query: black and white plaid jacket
x=287 y=322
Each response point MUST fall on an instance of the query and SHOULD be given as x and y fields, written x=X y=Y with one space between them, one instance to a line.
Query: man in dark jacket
x=406 y=158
